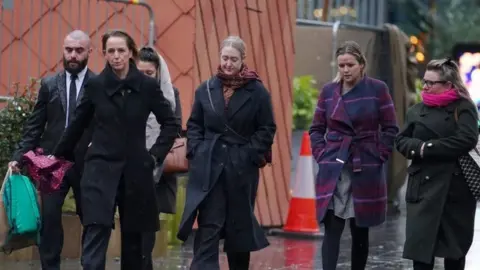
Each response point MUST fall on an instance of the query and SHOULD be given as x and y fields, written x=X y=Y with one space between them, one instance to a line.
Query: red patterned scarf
x=232 y=82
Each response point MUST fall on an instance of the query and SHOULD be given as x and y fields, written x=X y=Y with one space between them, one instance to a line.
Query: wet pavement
x=385 y=253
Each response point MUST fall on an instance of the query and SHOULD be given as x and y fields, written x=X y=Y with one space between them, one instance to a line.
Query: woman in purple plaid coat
x=352 y=137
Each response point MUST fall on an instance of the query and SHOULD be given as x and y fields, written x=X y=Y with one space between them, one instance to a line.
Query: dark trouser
x=148 y=245
x=331 y=243
x=211 y=220
x=51 y=234
x=95 y=244
x=450 y=264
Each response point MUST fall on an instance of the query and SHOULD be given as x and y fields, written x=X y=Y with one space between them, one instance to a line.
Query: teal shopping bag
x=21 y=205
x=18 y=229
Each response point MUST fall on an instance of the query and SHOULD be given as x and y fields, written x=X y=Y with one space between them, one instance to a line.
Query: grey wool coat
x=440 y=206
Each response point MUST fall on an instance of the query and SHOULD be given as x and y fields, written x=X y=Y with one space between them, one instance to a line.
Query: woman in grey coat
x=440 y=206
x=152 y=64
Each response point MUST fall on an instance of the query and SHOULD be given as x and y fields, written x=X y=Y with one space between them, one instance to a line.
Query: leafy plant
x=418 y=90
x=304 y=101
x=12 y=119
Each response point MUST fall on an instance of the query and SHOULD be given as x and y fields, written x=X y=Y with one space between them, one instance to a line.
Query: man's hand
x=14 y=166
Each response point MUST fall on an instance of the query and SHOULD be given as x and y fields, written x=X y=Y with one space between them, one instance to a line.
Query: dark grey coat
x=213 y=149
x=118 y=166
x=440 y=207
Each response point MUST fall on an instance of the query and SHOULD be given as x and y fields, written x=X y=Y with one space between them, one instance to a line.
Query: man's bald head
x=79 y=35
x=76 y=48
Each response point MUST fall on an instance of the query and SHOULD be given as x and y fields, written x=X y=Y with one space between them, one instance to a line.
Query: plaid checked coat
x=355 y=130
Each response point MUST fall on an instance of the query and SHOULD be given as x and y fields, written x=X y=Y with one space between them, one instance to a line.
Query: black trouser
x=51 y=234
x=95 y=248
x=450 y=264
x=211 y=220
x=96 y=239
x=331 y=243
x=149 y=239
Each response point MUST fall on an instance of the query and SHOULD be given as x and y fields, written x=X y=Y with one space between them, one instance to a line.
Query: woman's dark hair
x=132 y=46
x=150 y=55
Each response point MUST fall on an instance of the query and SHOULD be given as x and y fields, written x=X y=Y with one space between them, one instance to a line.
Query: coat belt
x=350 y=144
x=214 y=137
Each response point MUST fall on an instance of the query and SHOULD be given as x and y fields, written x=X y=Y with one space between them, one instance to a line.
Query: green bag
x=21 y=205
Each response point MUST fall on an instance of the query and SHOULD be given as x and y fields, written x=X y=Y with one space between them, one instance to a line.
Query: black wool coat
x=118 y=167
x=213 y=149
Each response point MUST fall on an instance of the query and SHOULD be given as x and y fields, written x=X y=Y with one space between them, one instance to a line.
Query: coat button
x=429 y=144
x=412 y=152
x=427 y=177
x=224 y=146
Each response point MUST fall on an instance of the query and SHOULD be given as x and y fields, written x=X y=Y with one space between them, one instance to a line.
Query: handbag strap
x=7 y=175
x=220 y=116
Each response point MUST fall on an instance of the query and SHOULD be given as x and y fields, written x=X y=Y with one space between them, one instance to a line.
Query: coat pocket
x=413 y=185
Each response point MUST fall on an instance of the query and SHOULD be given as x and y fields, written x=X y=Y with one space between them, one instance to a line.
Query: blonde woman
x=352 y=137
x=230 y=130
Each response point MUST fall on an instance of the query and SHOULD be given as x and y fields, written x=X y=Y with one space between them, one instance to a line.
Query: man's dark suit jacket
x=46 y=124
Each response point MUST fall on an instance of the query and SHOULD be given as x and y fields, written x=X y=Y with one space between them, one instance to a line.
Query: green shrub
x=304 y=101
x=12 y=119
x=418 y=90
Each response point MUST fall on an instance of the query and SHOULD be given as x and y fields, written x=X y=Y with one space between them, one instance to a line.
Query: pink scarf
x=441 y=99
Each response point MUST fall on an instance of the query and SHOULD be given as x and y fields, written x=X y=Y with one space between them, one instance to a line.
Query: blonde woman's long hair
x=448 y=71
x=352 y=48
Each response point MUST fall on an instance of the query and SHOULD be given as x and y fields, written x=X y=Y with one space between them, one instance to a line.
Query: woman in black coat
x=118 y=166
x=440 y=206
x=229 y=132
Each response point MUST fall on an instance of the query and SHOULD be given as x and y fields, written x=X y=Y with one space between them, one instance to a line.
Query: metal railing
x=32 y=32
x=151 y=14
x=361 y=12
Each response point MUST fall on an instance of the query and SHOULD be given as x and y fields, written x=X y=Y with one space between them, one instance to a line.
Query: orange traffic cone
x=302 y=220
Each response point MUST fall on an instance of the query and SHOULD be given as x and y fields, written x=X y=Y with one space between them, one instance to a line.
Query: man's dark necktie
x=72 y=99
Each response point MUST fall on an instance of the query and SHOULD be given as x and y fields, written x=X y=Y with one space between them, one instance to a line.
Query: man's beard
x=78 y=68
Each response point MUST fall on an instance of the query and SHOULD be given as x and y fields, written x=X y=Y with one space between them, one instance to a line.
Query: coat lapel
x=238 y=99
x=432 y=125
x=62 y=89
x=216 y=92
x=85 y=79
x=339 y=113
